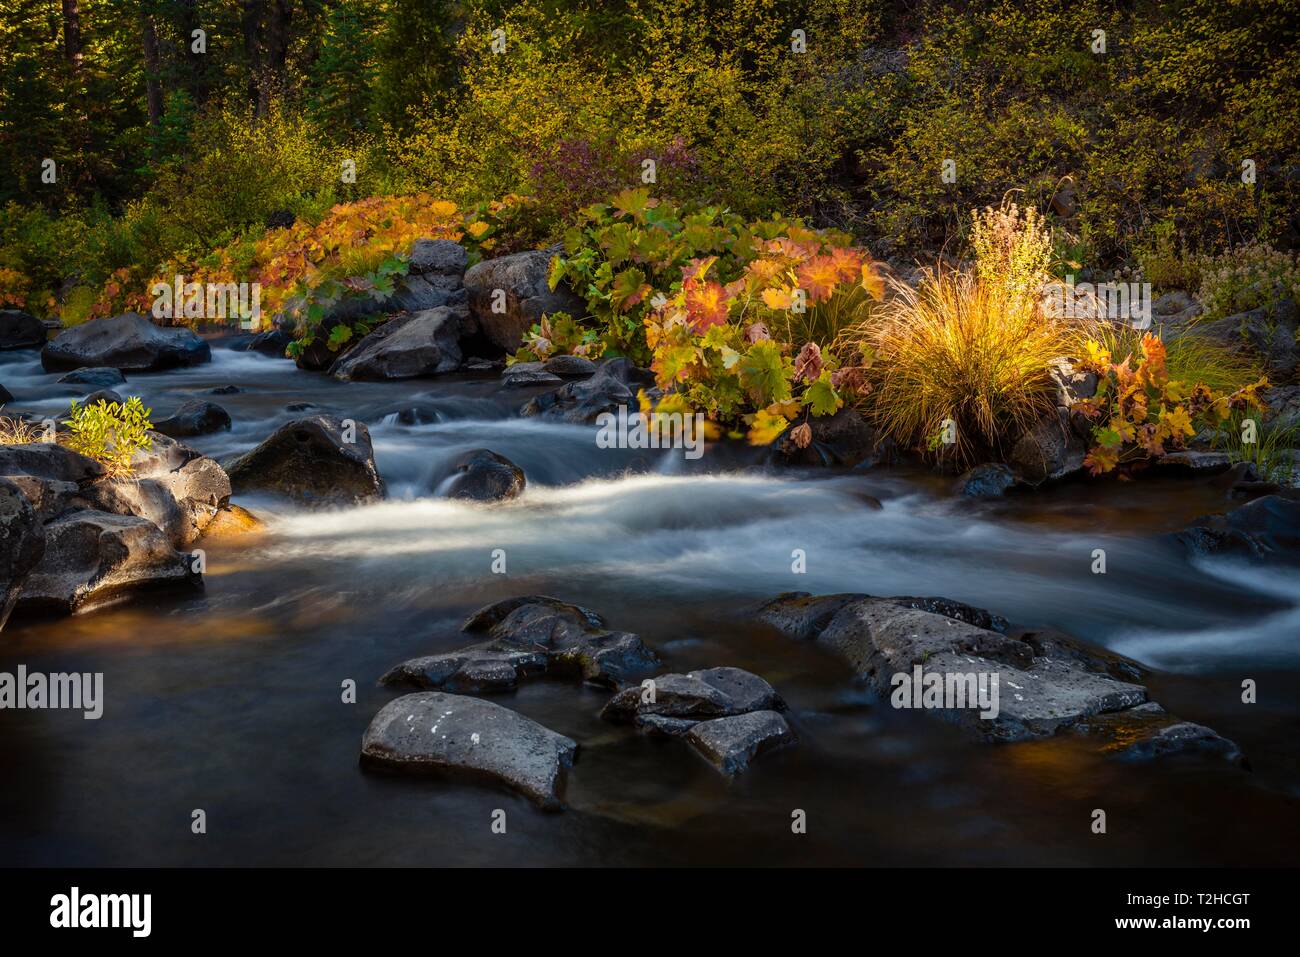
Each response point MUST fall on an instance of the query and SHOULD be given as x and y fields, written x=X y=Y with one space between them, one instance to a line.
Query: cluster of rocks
x=727 y=715
x=1048 y=682
x=77 y=539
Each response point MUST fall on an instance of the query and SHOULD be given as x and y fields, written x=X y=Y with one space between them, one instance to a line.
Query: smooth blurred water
x=230 y=700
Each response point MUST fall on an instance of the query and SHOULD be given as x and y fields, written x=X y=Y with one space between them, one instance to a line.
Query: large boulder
x=1265 y=528
x=482 y=475
x=20 y=330
x=1051 y=450
x=271 y=342
x=615 y=384
x=317 y=461
x=194 y=417
x=435 y=732
x=129 y=343
x=93 y=558
x=173 y=486
x=1044 y=685
x=420 y=344
x=526 y=637
x=433 y=280
x=523 y=297
x=22 y=543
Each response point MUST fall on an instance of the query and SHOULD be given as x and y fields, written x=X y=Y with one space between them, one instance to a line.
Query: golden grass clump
x=971 y=351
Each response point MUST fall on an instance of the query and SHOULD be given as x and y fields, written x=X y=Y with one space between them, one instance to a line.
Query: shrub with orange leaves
x=1140 y=413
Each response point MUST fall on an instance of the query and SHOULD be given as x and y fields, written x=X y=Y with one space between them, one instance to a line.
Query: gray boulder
x=129 y=342
x=524 y=294
x=194 y=417
x=93 y=559
x=1268 y=331
x=570 y=367
x=481 y=475
x=317 y=461
x=420 y=344
x=729 y=744
x=20 y=330
x=22 y=543
x=527 y=637
x=434 y=732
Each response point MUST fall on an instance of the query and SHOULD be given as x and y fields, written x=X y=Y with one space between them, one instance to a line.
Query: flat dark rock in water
x=731 y=743
x=697 y=695
x=1148 y=732
x=103 y=377
x=528 y=637
x=431 y=732
x=991 y=480
x=1043 y=686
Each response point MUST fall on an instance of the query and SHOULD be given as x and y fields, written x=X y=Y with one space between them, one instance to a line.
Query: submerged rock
x=729 y=744
x=526 y=637
x=420 y=344
x=1148 y=732
x=431 y=732
x=129 y=343
x=22 y=543
x=93 y=558
x=483 y=476
x=317 y=461
x=20 y=330
x=1043 y=686
x=1265 y=528
x=194 y=417
x=102 y=377
x=991 y=480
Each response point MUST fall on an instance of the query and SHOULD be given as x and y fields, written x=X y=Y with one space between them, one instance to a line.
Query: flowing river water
x=229 y=699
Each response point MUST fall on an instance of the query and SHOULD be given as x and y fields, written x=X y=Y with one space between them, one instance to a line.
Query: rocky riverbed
x=353 y=611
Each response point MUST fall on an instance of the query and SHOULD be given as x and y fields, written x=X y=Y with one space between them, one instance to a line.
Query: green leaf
x=764 y=374
x=821 y=396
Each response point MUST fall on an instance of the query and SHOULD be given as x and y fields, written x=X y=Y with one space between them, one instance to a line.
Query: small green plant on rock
x=110 y=433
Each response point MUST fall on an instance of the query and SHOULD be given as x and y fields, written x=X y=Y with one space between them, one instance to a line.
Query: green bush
x=110 y=433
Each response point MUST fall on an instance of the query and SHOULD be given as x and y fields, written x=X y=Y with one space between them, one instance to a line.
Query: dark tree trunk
x=196 y=73
x=72 y=34
x=252 y=24
x=276 y=49
x=153 y=86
